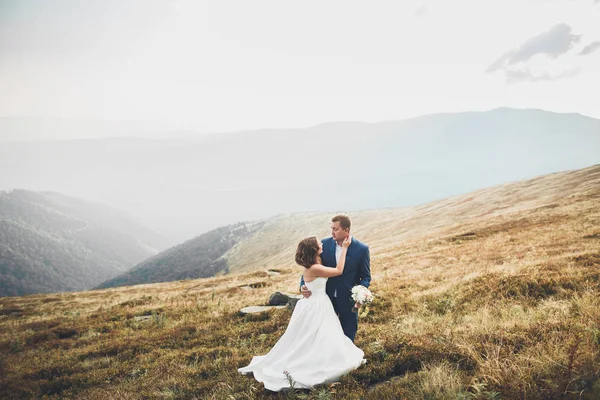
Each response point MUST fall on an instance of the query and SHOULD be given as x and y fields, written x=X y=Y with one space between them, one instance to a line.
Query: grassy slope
x=494 y=291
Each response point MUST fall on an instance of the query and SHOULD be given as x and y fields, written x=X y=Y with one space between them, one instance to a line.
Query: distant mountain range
x=271 y=243
x=51 y=243
x=182 y=187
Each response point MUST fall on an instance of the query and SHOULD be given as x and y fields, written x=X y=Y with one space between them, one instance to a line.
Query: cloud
x=590 y=48
x=548 y=45
x=553 y=43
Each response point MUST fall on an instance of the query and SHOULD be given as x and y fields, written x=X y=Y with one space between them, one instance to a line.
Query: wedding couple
x=318 y=344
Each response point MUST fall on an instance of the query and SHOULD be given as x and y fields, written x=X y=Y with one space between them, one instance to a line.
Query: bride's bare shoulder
x=312 y=269
x=316 y=266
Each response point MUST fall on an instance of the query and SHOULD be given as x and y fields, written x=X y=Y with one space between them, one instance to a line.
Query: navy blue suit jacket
x=357 y=270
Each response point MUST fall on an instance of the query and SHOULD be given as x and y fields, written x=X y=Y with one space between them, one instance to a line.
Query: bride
x=313 y=349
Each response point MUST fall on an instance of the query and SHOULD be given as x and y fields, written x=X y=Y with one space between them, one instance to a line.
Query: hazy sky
x=231 y=65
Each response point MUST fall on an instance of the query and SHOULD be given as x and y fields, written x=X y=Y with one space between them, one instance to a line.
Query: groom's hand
x=305 y=292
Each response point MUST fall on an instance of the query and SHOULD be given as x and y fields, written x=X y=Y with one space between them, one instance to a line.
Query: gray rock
x=278 y=299
x=258 y=309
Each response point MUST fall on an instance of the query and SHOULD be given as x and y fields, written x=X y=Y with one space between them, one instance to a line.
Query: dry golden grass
x=494 y=294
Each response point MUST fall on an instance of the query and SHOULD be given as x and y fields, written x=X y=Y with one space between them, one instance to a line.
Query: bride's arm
x=327 y=272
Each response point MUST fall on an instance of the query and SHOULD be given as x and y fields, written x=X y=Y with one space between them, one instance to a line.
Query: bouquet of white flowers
x=361 y=295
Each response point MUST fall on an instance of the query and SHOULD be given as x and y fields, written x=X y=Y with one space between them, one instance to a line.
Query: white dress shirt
x=338 y=253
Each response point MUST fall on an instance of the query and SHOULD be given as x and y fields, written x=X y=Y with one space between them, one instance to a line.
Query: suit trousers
x=348 y=318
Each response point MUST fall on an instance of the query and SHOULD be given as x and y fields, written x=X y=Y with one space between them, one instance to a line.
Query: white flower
x=361 y=294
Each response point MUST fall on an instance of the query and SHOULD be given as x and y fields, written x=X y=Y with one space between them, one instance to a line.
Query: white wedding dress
x=313 y=348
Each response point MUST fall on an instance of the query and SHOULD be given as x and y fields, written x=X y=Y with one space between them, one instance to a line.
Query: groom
x=357 y=270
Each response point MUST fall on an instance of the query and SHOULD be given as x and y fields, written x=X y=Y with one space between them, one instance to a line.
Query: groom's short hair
x=343 y=220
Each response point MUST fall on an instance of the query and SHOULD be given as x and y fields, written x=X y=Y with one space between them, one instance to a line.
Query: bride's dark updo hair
x=307 y=252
